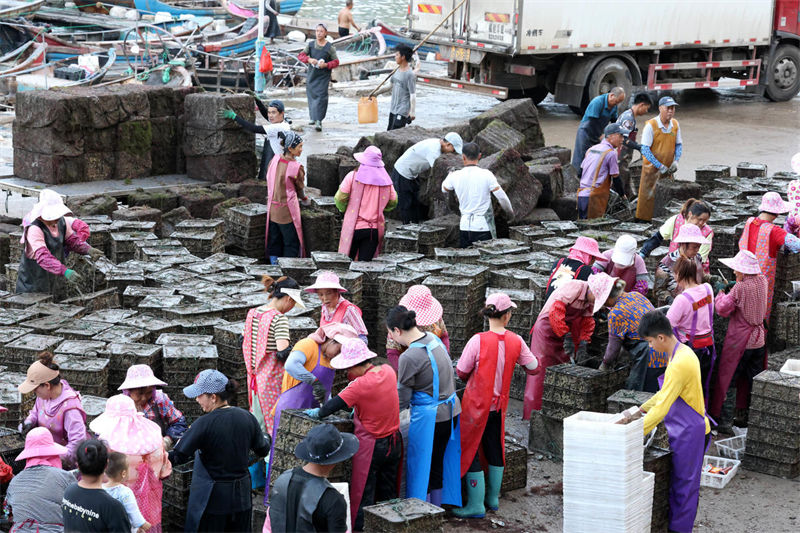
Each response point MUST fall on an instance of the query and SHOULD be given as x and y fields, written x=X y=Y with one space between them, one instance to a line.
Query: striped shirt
x=351 y=317
x=278 y=329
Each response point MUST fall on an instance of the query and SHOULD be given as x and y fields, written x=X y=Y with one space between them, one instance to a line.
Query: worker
x=744 y=349
x=641 y=106
x=692 y=317
x=364 y=196
x=600 y=111
x=57 y=407
x=763 y=238
x=689 y=240
x=474 y=187
x=273 y=28
x=302 y=498
x=429 y=313
x=372 y=393
x=413 y=163
x=487 y=365
x=48 y=233
x=335 y=308
x=598 y=169
x=404 y=89
x=661 y=150
x=623 y=324
x=680 y=405
x=577 y=264
x=285 y=194
x=426 y=383
x=274 y=114
x=792 y=224
x=345 y=19
x=569 y=309
x=694 y=212
x=622 y=262
x=321 y=57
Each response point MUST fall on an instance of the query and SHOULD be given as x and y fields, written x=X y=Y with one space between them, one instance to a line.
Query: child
x=680 y=405
x=117 y=474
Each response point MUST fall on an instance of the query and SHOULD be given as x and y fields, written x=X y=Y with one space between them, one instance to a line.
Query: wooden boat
x=306 y=26
x=10 y=9
x=26 y=56
x=43 y=76
x=240 y=45
x=285 y=7
x=177 y=9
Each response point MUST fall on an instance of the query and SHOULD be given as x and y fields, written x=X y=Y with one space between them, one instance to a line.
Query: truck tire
x=783 y=75
x=607 y=75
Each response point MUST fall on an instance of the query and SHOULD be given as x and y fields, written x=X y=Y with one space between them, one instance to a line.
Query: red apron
x=739 y=331
x=627 y=274
x=768 y=264
x=361 y=463
x=292 y=168
x=264 y=371
x=479 y=394
x=338 y=315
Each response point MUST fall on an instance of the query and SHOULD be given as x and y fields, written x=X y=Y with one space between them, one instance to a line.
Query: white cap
x=454 y=139
x=624 y=251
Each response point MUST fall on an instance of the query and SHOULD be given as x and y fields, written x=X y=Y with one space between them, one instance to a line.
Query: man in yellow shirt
x=680 y=405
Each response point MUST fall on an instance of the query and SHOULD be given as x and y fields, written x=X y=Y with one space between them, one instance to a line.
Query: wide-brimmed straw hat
x=125 y=429
x=139 y=376
x=601 y=286
x=689 y=233
x=772 y=203
x=326 y=280
x=354 y=352
x=587 y=245
x=325 y=445
x=745 y=262
x=420 y=300
x=39 y=443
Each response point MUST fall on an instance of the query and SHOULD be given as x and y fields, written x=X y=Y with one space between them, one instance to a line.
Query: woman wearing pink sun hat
x=763 y=238
x=364 y=196
x=335 y=308
x=744 y=349
x=690 y=238
x=429 y=311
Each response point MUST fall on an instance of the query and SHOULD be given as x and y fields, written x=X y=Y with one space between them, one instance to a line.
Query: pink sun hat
x=39 y=443
x=139 y=376
x=772 y=203
x=745 y=262
x=354 y=352
x=793 y=192
x=420 y=300
x=371 y=171
x=326 y=280
x=689 y=233
x=601 y=286
x=501 y=301
x=587 y=245
x=126 y=430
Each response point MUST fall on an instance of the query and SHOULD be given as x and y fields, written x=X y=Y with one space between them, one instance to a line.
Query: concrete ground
x=750 y=503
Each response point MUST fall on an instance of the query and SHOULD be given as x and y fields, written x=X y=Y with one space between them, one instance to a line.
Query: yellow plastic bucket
x=367 y=110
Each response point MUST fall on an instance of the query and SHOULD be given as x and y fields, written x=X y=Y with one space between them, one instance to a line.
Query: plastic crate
x=718 y=481
x=791 y=366
x=732 y=448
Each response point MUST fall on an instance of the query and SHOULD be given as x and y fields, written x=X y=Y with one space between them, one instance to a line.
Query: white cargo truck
x=579 y=49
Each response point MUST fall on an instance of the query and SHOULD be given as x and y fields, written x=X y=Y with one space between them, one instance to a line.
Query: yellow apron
x=663 y=149
x=598 y=196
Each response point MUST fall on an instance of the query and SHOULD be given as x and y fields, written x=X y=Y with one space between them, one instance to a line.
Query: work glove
x=665 y=170
x=72 y=276
x=630 y=414
x=281 y=355
x=320 y=393
x=26 y=427
x=312 y=413
x=226 y=113
x=95 y=254
x=604 y=367
x=673 y=168
x=631 y=144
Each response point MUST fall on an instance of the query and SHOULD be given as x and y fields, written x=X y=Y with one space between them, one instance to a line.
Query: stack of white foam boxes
x=605 y=486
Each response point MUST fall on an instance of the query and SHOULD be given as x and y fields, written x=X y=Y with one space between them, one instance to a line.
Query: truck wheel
x=607 y=75
x=783 y=82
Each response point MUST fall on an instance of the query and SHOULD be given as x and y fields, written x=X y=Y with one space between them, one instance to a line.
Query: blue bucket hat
x=207 y=382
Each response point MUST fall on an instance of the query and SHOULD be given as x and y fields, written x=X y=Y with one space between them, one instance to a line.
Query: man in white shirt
x=474 y=187
x=416 y=160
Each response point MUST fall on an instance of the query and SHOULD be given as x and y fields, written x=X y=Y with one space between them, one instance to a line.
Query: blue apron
x=420 y=440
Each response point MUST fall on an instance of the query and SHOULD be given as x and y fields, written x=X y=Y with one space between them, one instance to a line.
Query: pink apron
x=739 y=331
x=351 y=216
x=705 y=230
x=292 y=168
x=768 y=264
x=361 y=463
x=545 y=341
x=711 y=350
x=264 y=371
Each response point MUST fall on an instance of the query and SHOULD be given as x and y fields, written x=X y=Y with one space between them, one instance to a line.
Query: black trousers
x=234 y=522
x=381 y=482
x=407 y=198
x=283 y=240
x=343 y=32
x=441 y=434
x=365 y=243
x=704 y=356
x=466 y=238
x=397 y=122
x=492 y=443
